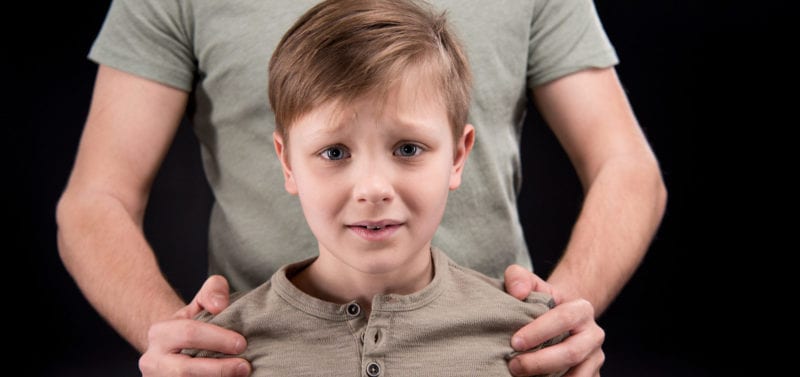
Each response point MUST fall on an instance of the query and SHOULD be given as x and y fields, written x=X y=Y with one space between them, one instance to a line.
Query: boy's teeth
x=373 y=227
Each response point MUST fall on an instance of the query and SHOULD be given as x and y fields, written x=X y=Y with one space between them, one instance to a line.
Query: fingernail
x=517 y=343
x=515 y=367
x=239 y=346
x=518 y=288
x=217 y=300
x=242 y=370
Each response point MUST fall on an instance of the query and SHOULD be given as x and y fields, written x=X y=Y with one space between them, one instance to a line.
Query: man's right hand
x=167 y=338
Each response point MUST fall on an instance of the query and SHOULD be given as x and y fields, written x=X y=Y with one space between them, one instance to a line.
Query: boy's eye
x=335 y=153
x=408 y=150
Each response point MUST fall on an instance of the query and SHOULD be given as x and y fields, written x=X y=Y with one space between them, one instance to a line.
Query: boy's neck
x=330 y=280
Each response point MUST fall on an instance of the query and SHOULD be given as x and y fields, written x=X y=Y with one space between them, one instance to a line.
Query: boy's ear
x=283 y=155
x=462 y=148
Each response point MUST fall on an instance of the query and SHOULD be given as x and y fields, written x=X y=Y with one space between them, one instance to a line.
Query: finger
x=581 y=350
x=214 y=294
x=546 y=360
x=572 y=316
x=519 y=282
x=225 y=367
x=590 y=367
x=183 y=365
x=175 y=335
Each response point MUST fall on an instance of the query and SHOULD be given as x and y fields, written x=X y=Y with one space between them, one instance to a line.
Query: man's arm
x=625 y=195
x=130 y=126
x=624 y=202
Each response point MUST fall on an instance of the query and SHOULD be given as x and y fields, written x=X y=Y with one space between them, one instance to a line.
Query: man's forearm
x=621 y=212
x=106 y=253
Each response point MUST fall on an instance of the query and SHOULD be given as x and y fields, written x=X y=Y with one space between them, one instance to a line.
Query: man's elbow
x=658 y=188
x=643 y=179
x=65 y=214
x=662 y=196
x=72 y=213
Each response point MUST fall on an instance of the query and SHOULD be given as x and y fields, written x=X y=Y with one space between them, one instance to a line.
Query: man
x=154 y=55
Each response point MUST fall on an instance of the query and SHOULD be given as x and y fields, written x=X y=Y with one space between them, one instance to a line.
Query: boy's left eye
x=407 y=150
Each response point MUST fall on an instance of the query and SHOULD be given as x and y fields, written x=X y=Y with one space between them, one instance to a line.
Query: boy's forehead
x=394 y=110
x=409 y=101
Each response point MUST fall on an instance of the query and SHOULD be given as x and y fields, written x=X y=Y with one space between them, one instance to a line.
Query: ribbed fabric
x=459 y=325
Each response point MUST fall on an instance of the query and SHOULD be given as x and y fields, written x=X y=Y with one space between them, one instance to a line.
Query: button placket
x=353 y=310
x=373 y=369
x=374 y=343
x=372 y=335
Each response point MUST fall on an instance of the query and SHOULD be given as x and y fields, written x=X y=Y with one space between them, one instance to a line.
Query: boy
x=371 y=101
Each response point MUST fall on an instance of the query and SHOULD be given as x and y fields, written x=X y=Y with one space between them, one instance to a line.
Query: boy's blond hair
x=341 y=50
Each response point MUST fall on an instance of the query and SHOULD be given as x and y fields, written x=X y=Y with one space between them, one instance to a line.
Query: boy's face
x=373 y=178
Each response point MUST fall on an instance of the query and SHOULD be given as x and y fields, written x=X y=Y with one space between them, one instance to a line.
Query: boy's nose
x=373 y=185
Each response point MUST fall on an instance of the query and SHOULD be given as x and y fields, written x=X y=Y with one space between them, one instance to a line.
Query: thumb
x=214 y=294
x=518 y=281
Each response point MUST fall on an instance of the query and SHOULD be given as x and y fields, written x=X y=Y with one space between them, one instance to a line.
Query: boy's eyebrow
x=332 y=128
x=338 y=120
x=410 y=122
x=335 y=121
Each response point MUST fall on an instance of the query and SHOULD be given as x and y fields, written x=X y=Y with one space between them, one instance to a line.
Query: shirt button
x=353 y=309
x=373 y=369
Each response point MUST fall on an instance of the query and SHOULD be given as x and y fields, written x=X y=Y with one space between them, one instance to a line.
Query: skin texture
x=132 y=122
x=624 y=202
x=130 y=126
x=387 y=164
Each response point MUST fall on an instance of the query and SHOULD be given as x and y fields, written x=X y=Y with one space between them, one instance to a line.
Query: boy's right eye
x=335 y=153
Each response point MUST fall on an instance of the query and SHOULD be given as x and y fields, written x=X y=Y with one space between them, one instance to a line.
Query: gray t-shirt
x=220 y=51
x=459 y=325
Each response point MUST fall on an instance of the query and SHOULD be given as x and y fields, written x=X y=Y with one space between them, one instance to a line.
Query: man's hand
x=167 y=338
x=581 y=352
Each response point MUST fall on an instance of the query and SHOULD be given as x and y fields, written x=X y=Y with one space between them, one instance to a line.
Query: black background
x=696 y=75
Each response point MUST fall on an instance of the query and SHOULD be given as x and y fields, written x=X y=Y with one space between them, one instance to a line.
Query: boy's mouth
x=375 y=231
x=376 y=225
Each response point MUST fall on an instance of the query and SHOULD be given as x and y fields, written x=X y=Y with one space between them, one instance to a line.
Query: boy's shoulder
x=240 y=303
x=486 y=285
x=243 y=305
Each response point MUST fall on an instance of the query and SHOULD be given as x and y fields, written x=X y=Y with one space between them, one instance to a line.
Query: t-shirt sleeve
x=148 y=38
x=566 y=36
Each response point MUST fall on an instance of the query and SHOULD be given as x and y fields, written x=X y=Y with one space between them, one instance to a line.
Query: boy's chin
x=385 y=262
